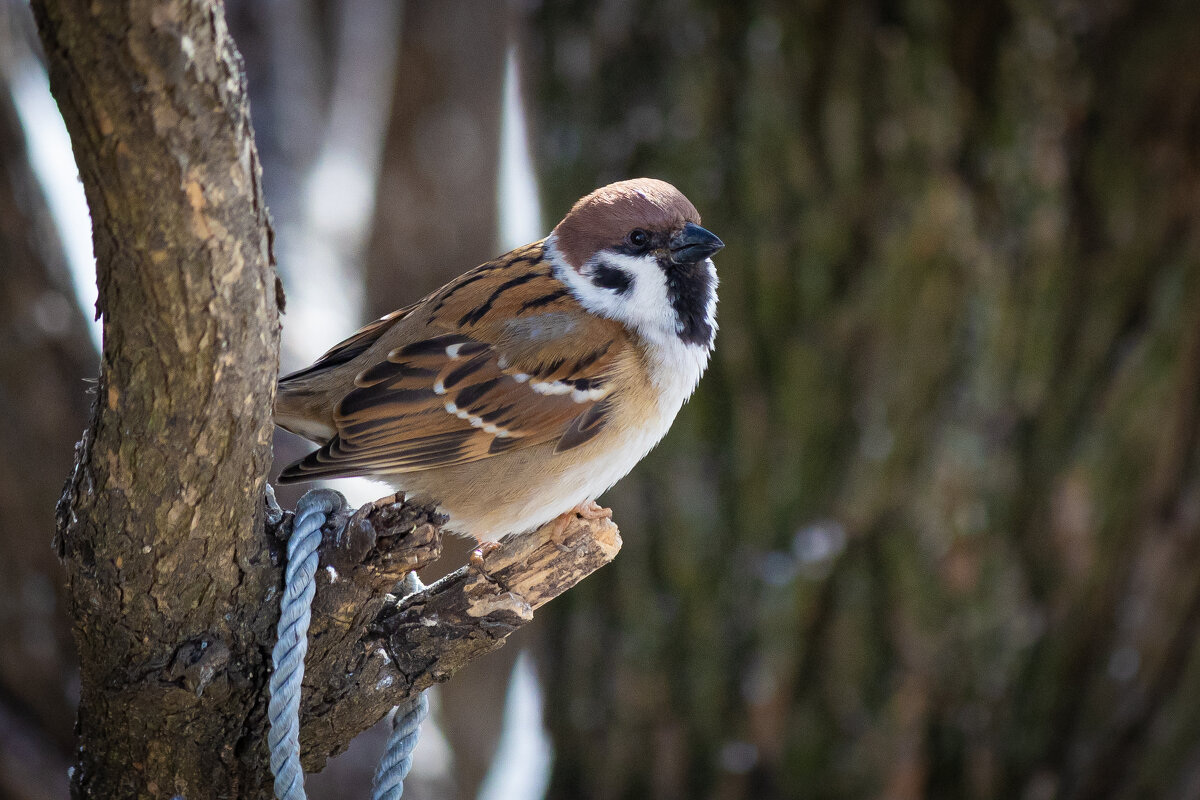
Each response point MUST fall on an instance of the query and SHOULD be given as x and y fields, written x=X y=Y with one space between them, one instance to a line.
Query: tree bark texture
x=368 y=650
x=161 y=525
x=931 y=526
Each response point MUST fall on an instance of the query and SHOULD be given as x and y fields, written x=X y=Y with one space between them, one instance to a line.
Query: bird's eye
x=639 y=238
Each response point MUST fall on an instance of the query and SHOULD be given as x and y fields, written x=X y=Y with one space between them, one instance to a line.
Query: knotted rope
x=287 y=661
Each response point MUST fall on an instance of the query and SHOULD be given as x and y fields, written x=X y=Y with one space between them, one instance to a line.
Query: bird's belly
x=524 y=489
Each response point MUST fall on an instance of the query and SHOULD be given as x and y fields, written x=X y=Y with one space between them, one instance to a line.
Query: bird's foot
x=559 y=531
x=478 y=560
x=593 y=510
x=589 y=509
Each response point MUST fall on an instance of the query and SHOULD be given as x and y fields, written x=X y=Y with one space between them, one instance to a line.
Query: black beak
x=693 y=244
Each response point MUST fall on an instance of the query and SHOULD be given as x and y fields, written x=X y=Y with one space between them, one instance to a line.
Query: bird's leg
x=589 y=509
x=478 y=562
x=479 y=556
x=558 y=532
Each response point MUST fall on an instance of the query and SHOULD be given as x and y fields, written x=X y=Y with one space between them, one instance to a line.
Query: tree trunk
x=929 y=527
x=161 y=525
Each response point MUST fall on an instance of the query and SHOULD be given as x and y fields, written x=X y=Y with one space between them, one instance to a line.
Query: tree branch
x=368 y=649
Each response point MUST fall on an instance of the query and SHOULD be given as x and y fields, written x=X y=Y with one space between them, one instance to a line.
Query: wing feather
x=451 y=399
x=351 y=348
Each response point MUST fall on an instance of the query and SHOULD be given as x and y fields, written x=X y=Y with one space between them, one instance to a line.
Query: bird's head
x=634 y=251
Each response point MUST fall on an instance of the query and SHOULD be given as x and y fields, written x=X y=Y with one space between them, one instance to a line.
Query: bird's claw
x=587 y=510
x=478 y=559
x=593 y=510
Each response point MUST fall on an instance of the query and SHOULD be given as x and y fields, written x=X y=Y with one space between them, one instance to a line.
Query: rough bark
x=368 y=650
x=929 y=527
x=161 y=523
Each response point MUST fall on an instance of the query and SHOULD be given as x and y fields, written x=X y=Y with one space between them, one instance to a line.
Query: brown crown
x=603 y=218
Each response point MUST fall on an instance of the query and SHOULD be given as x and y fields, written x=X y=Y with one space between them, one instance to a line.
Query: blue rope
x=397 y=759
x=291 y=644
x=287 y=661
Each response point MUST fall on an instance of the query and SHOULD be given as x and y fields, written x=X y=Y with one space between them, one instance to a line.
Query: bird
x=522 y=390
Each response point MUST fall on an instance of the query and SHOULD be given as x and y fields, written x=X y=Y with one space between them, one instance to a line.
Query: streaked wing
x=351 y=348
x=452 y=398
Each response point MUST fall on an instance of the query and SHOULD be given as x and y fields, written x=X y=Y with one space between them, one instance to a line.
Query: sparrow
x=522 y=390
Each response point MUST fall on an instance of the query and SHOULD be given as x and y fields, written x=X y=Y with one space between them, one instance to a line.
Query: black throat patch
x=689 y=289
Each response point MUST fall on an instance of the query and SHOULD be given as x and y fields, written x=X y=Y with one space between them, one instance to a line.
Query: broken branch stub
x=368 y=649
x=433 y=633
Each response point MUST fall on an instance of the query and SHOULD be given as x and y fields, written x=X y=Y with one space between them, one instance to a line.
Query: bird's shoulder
x=516 y=306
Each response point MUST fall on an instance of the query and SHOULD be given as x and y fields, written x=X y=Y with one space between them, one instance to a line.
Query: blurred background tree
x=931 y=525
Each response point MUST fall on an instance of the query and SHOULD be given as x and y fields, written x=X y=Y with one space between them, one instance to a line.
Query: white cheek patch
x=644 y=305
x=646 y=308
